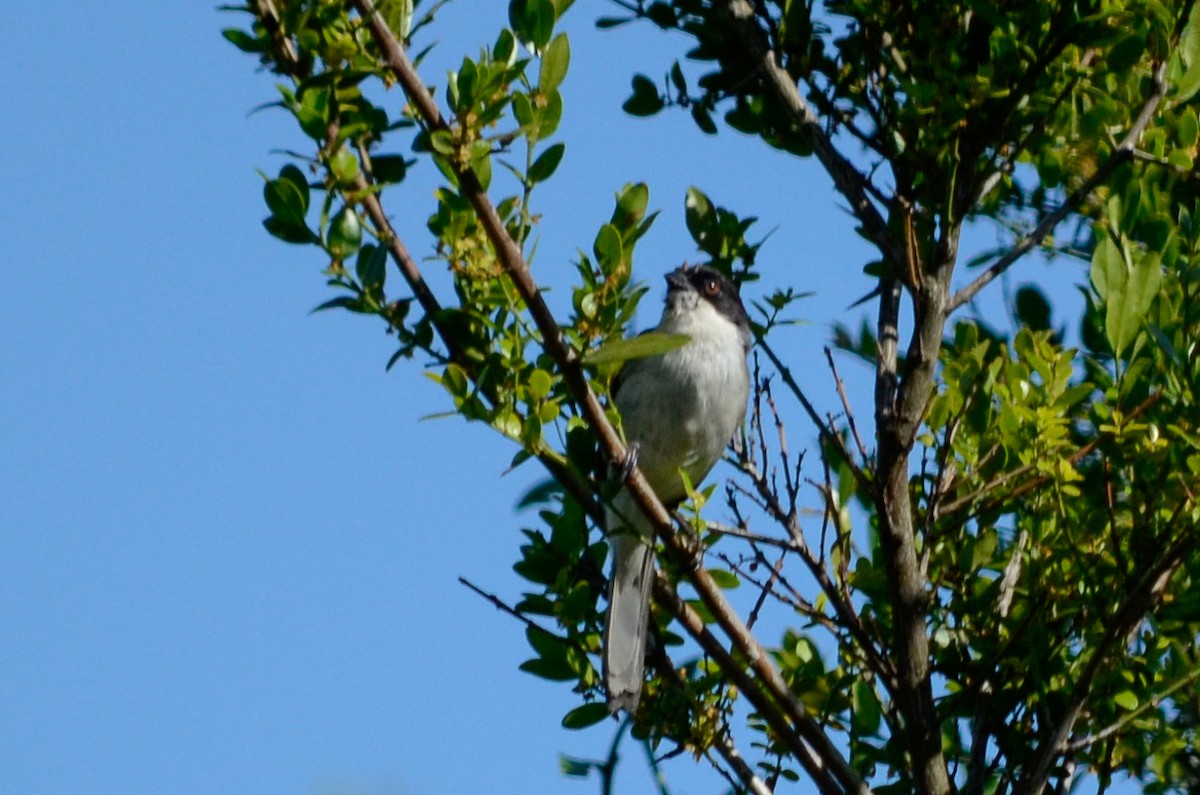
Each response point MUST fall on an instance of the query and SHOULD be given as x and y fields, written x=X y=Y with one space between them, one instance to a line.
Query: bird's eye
x=712 y=287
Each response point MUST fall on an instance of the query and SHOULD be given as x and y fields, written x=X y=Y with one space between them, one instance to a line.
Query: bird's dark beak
x=678 y=280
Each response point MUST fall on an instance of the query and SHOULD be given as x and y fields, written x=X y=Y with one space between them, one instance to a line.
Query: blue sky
x=230 y=543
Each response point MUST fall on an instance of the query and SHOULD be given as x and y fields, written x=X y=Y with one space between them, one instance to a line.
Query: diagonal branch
x=1121 y=155
x=1133 y=609
x=737 y=674
x=848 y=180
x=1083 y=743
x=822 y=761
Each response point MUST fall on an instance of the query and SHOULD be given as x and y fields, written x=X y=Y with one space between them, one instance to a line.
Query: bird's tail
x=628 y=614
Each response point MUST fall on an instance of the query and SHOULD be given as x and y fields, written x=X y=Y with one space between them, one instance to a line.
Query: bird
x=679 y=410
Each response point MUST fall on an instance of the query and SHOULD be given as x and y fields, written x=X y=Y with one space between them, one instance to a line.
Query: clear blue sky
x=228 y=542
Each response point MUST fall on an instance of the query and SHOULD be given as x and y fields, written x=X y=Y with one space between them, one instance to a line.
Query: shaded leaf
x=652 y=343
x=585 y=715
x=645 y=100
x=547 y=162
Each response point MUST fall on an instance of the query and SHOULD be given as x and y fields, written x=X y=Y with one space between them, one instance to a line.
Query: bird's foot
x=631 y=461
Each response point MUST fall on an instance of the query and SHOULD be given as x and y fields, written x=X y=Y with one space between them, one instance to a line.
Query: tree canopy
x=990 y=579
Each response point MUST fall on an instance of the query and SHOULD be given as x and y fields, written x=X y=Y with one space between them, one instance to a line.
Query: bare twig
x=766 y=498
x=737 y=532
x=826 y=433
x=841 y=390
x=504 y=607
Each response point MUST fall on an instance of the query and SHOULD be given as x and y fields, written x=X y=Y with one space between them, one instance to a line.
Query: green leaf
x=539 y=384
x=442 y=142
x=547 y=162
x=285 y=202
x=532 y=21
x=1188 y=83
x=398 y=15
x=1126 y=699
x=606 y=23
x=554 y=670
x=867 y=711
x=677 y=78
x=631 y=205
x=523 y=111
x=725 y=580
x=586 y=715
x=608 y=248
x=505 y=50
x=652 y=343
x=345 y=233
x=353 y=303
x=312 y=112
x=289 y=232
x=1033 y=310
x=1180 y=159
x=1187 y=129
x=371 y=265
x=645 y=100
x=551 y=115
x=344 y=166
x=1127 y=286
x=1126 y=52
x=575 y=768
x=699 y=215
x=1107 y=263
x=555 y=61
x=662 y=14
x=703 y=119
x=243 y=40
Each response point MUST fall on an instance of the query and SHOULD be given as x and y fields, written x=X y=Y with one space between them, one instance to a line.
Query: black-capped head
x=712 y=286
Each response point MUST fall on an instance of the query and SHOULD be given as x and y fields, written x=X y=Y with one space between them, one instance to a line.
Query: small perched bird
x=679 y=410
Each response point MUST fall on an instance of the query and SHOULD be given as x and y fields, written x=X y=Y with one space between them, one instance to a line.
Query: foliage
x=1002 y=594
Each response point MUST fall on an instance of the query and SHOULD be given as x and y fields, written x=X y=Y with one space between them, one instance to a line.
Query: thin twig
x=737 y=532
x=504 y=607
x=1083 y=743
x=841 y=390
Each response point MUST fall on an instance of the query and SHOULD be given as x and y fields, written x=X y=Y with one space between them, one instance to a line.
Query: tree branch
x=821 y=759
x=571 y=481
x=1137 y=603
x=899 y=408
x=1121 y=155
x=724 y=743
x=811 y=758
x=1084 y=743
x=846 y=178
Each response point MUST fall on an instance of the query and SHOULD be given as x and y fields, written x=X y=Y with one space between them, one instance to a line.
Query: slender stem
x=1084 y=743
